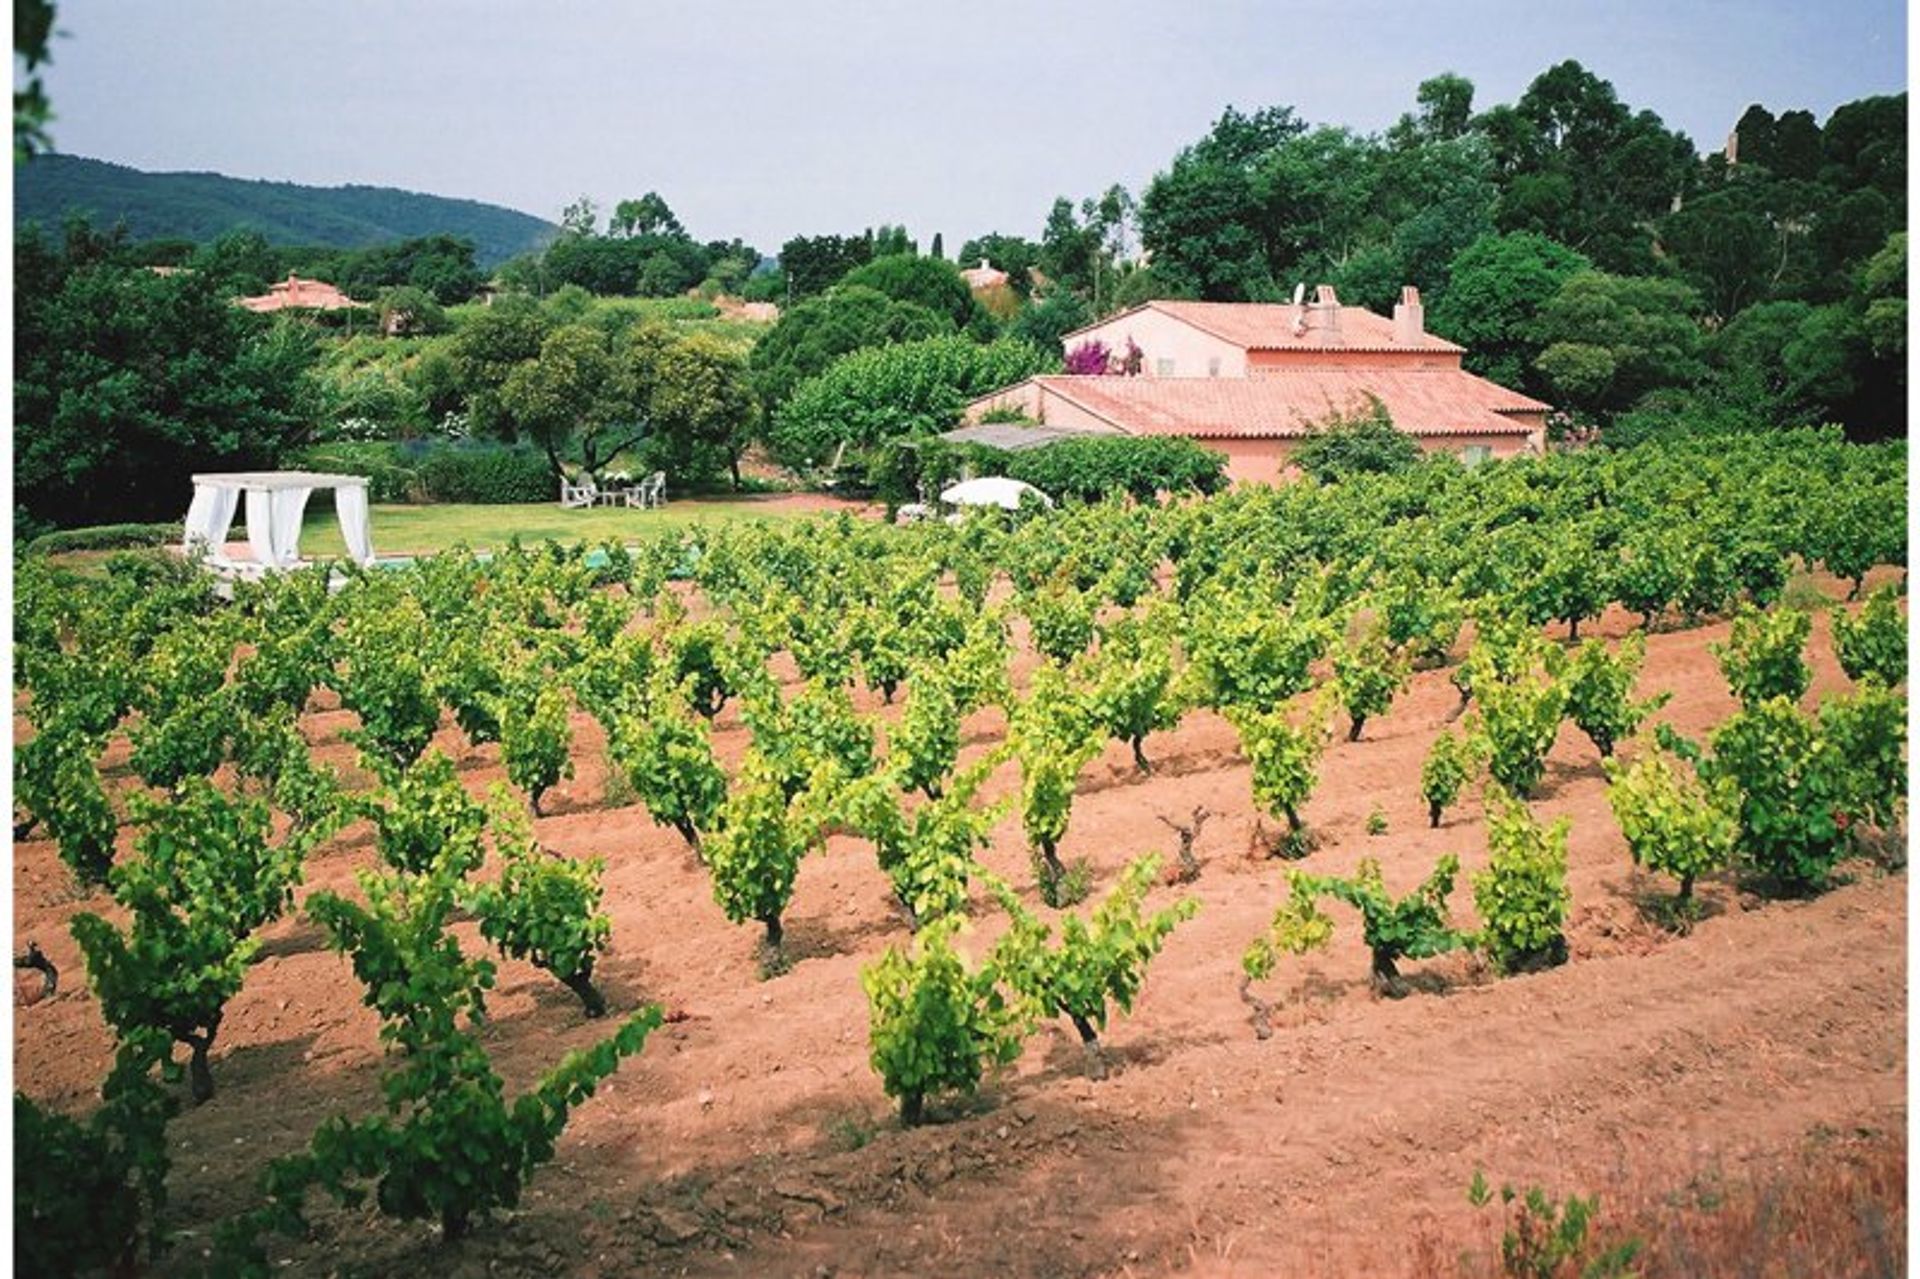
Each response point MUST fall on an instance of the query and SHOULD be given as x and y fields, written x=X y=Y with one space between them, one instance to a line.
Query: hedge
x=490 y=476
x=436 y=471
x=105 y=537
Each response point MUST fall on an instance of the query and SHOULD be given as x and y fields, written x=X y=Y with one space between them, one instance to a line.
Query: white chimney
x=1326 y=306
x=1409 y=318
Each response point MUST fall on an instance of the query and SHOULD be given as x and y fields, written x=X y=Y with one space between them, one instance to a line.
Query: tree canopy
x=127 y=382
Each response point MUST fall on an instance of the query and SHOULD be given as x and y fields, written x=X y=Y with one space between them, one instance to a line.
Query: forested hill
x=201 y=206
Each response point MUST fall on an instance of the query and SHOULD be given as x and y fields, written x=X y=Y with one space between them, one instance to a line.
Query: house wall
x=1499 y=445
x=1261 y=362
x=1024 y=396
x=1161 y=337
x=1253 y=461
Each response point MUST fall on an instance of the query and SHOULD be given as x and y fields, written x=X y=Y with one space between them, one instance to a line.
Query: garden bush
x=104 y=537
x=433 y=471
x=484 y=474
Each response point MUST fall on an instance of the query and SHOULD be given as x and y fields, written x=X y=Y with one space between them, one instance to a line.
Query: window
x=1163 y=368
x=1475 y=454
x=1213 y=366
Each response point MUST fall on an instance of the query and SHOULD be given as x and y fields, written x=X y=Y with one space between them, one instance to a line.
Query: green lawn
x=421 y=530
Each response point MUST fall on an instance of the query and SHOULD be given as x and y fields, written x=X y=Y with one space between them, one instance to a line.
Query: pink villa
x=295 y=293
x=1249 y=380
x=984 y=276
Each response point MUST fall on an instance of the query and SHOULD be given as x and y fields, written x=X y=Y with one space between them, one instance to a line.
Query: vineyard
x=1130 y=887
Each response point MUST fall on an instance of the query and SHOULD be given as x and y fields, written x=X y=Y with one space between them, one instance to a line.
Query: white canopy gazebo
x=276 y=505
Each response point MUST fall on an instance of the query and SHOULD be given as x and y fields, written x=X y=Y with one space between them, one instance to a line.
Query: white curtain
x=209 y=517
x=289 y=508
x=260 y=527
x=350 y=501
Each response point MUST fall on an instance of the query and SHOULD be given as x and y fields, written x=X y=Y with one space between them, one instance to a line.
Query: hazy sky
x=764 y=120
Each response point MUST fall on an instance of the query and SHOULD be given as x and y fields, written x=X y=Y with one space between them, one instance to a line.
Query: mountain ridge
x=201 y=205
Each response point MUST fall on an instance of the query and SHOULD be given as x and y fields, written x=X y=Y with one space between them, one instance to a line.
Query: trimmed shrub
x=104 y=537
x=483 y=474
x=434 y=471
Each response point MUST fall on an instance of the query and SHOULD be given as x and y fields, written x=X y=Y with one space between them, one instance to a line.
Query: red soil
x=751 y=1137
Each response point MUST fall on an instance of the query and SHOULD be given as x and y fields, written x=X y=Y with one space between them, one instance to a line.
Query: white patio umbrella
x=992 y=490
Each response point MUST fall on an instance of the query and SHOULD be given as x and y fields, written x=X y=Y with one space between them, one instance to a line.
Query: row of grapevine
x=149 y=706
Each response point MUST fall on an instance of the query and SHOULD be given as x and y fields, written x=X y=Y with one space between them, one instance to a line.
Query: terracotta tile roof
x=1269 y=326
x=1279 y=405
x=294 y=292
x=984 y=276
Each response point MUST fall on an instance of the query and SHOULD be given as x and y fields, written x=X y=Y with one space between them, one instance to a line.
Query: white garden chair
x=576 y=495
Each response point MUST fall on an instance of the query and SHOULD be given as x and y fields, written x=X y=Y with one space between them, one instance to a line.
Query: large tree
x=442 y=265
x=127 y=382
x=1727 y=245
x=1203 y=219
x=693 y=396
x=1579 y=166
x=1607 y=341
x=1497 y=286
x=487 y=350
x=574 y=399
x=239 y=262
x=911 y=388
x=1013 y=254
x=811 y=335
x=32 y=33
x=815 y=263
x=1198 y=220
x=649 y=215
x=928 y=282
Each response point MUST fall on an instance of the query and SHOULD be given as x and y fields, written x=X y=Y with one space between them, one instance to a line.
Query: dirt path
x=751 y=1137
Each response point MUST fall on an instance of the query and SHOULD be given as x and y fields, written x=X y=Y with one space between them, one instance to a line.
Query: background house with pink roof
x=984 y=276
x=294 y=293
x=1250 y=380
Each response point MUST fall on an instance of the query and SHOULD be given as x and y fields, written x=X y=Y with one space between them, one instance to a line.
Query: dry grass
x=1839 y=1213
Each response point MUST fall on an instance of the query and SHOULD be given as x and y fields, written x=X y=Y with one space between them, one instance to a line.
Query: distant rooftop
x=295 y=293
x=984 y=276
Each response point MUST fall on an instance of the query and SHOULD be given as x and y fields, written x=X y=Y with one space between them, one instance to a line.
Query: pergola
x=276 y=505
